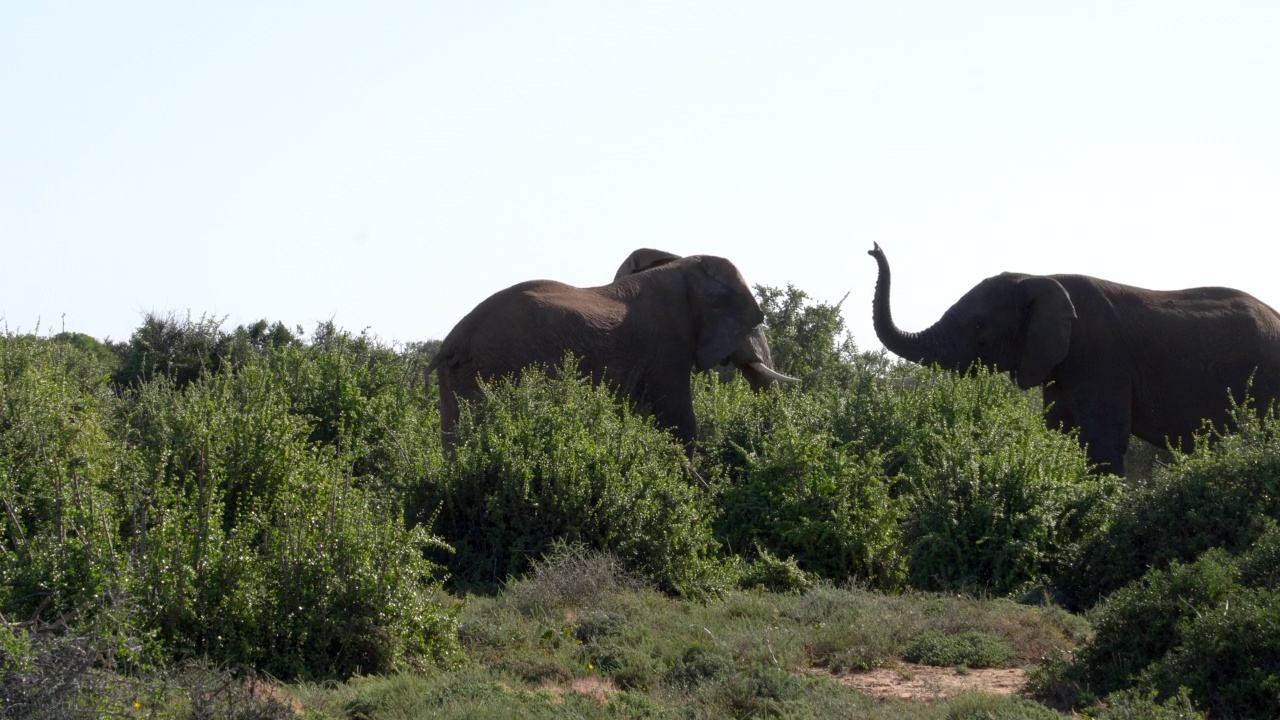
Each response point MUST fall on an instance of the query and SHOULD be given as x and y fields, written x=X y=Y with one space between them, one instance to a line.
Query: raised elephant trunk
x=922 y=347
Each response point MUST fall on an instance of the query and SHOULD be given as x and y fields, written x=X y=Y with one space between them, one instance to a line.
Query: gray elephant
x=642 y=334
x=1113 y=360
x=752 y=357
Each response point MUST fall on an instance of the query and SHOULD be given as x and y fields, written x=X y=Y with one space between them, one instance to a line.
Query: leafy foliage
x=182 y=349
x=1211 y=627
x=805 y=338
x=57 y=466
x=254 y=499
x=981 y=706
x=766 y=572
x=949 y=482
x=1222 y=495
x=970 y=649
x=367 y=401
x=207 y=508
x=548 y=459
x=889 y=473
x=1228 y=656
x=1136 y=705
x=996 y=500
x=792 y=487
x=1139 y=624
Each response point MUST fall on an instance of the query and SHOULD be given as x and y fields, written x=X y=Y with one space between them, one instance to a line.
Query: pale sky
x=390 y=165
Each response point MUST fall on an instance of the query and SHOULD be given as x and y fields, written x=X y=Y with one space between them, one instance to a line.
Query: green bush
x=255 y=546
x=1219 y=496
x=366 y=401
x=804 y=339
x=1228 y=656
x=794 y=477
x=949 y=481
x=1197 y=627
x=558 y=459
x=59 y=556
x=698 y=664
x=184 y=349
x=1141 y=622
x=808 y=496
x=1136 y=705
x=996 y=501
x=99 y=359
x=882 y=471
x=1260 y=565
x=1186 y=570
x=970 y=649
x=985 y=706
x=756 y=691
x=200 y=516
x=772 y=574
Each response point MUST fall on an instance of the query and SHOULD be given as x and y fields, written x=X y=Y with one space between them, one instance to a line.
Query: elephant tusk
x=772 y=374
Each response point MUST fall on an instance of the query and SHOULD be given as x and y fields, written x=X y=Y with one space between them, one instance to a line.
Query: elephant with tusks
x=643 y=334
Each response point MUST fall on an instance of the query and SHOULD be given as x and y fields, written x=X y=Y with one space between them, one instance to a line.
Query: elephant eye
x=977 y=325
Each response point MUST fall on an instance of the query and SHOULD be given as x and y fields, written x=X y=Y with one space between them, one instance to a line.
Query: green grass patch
x=969 y=649
x=635 y=652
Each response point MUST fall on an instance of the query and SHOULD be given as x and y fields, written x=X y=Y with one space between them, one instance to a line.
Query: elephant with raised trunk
x=1112 y=360
x=642 y=335
x=752 y=357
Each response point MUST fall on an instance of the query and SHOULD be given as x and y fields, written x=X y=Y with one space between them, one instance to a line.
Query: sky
x=387 y=166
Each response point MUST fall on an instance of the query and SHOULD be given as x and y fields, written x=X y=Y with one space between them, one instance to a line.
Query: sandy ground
x=905 y=682
x=924 y=682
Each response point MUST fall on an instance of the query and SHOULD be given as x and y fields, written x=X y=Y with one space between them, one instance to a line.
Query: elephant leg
x=673 y=408
x=448 y=412
x=457 y=387
x=1102 y=424
x=1106 y=447
x=1057 y=411
x=1104 y=431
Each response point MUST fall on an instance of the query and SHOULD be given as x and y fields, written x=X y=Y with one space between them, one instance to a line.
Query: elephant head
x=751 y=356
x=642 y=335
x=1012 y=322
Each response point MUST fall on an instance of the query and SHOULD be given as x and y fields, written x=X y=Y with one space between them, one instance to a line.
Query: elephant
x=751 y=355
x=642 y=335
x=1112 y=360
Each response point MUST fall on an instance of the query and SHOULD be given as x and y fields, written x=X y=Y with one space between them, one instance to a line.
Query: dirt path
x=904 y=682
x=925 y=682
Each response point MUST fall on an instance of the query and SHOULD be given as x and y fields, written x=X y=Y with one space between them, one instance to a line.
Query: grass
x=542 y=648
x=552 y=645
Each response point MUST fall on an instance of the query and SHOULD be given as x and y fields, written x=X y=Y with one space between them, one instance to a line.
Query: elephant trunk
x=922 y=347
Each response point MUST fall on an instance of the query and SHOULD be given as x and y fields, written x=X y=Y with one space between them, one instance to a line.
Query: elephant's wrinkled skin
x=752 y=357
x=642 y=334
x=1113 y=360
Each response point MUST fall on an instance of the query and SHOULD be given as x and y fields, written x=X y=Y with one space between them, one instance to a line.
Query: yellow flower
x=590 y=666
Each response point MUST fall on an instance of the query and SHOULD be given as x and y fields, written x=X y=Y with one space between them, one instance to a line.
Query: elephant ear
x=1048 y=334
x=726 y=309
x=642 y=260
